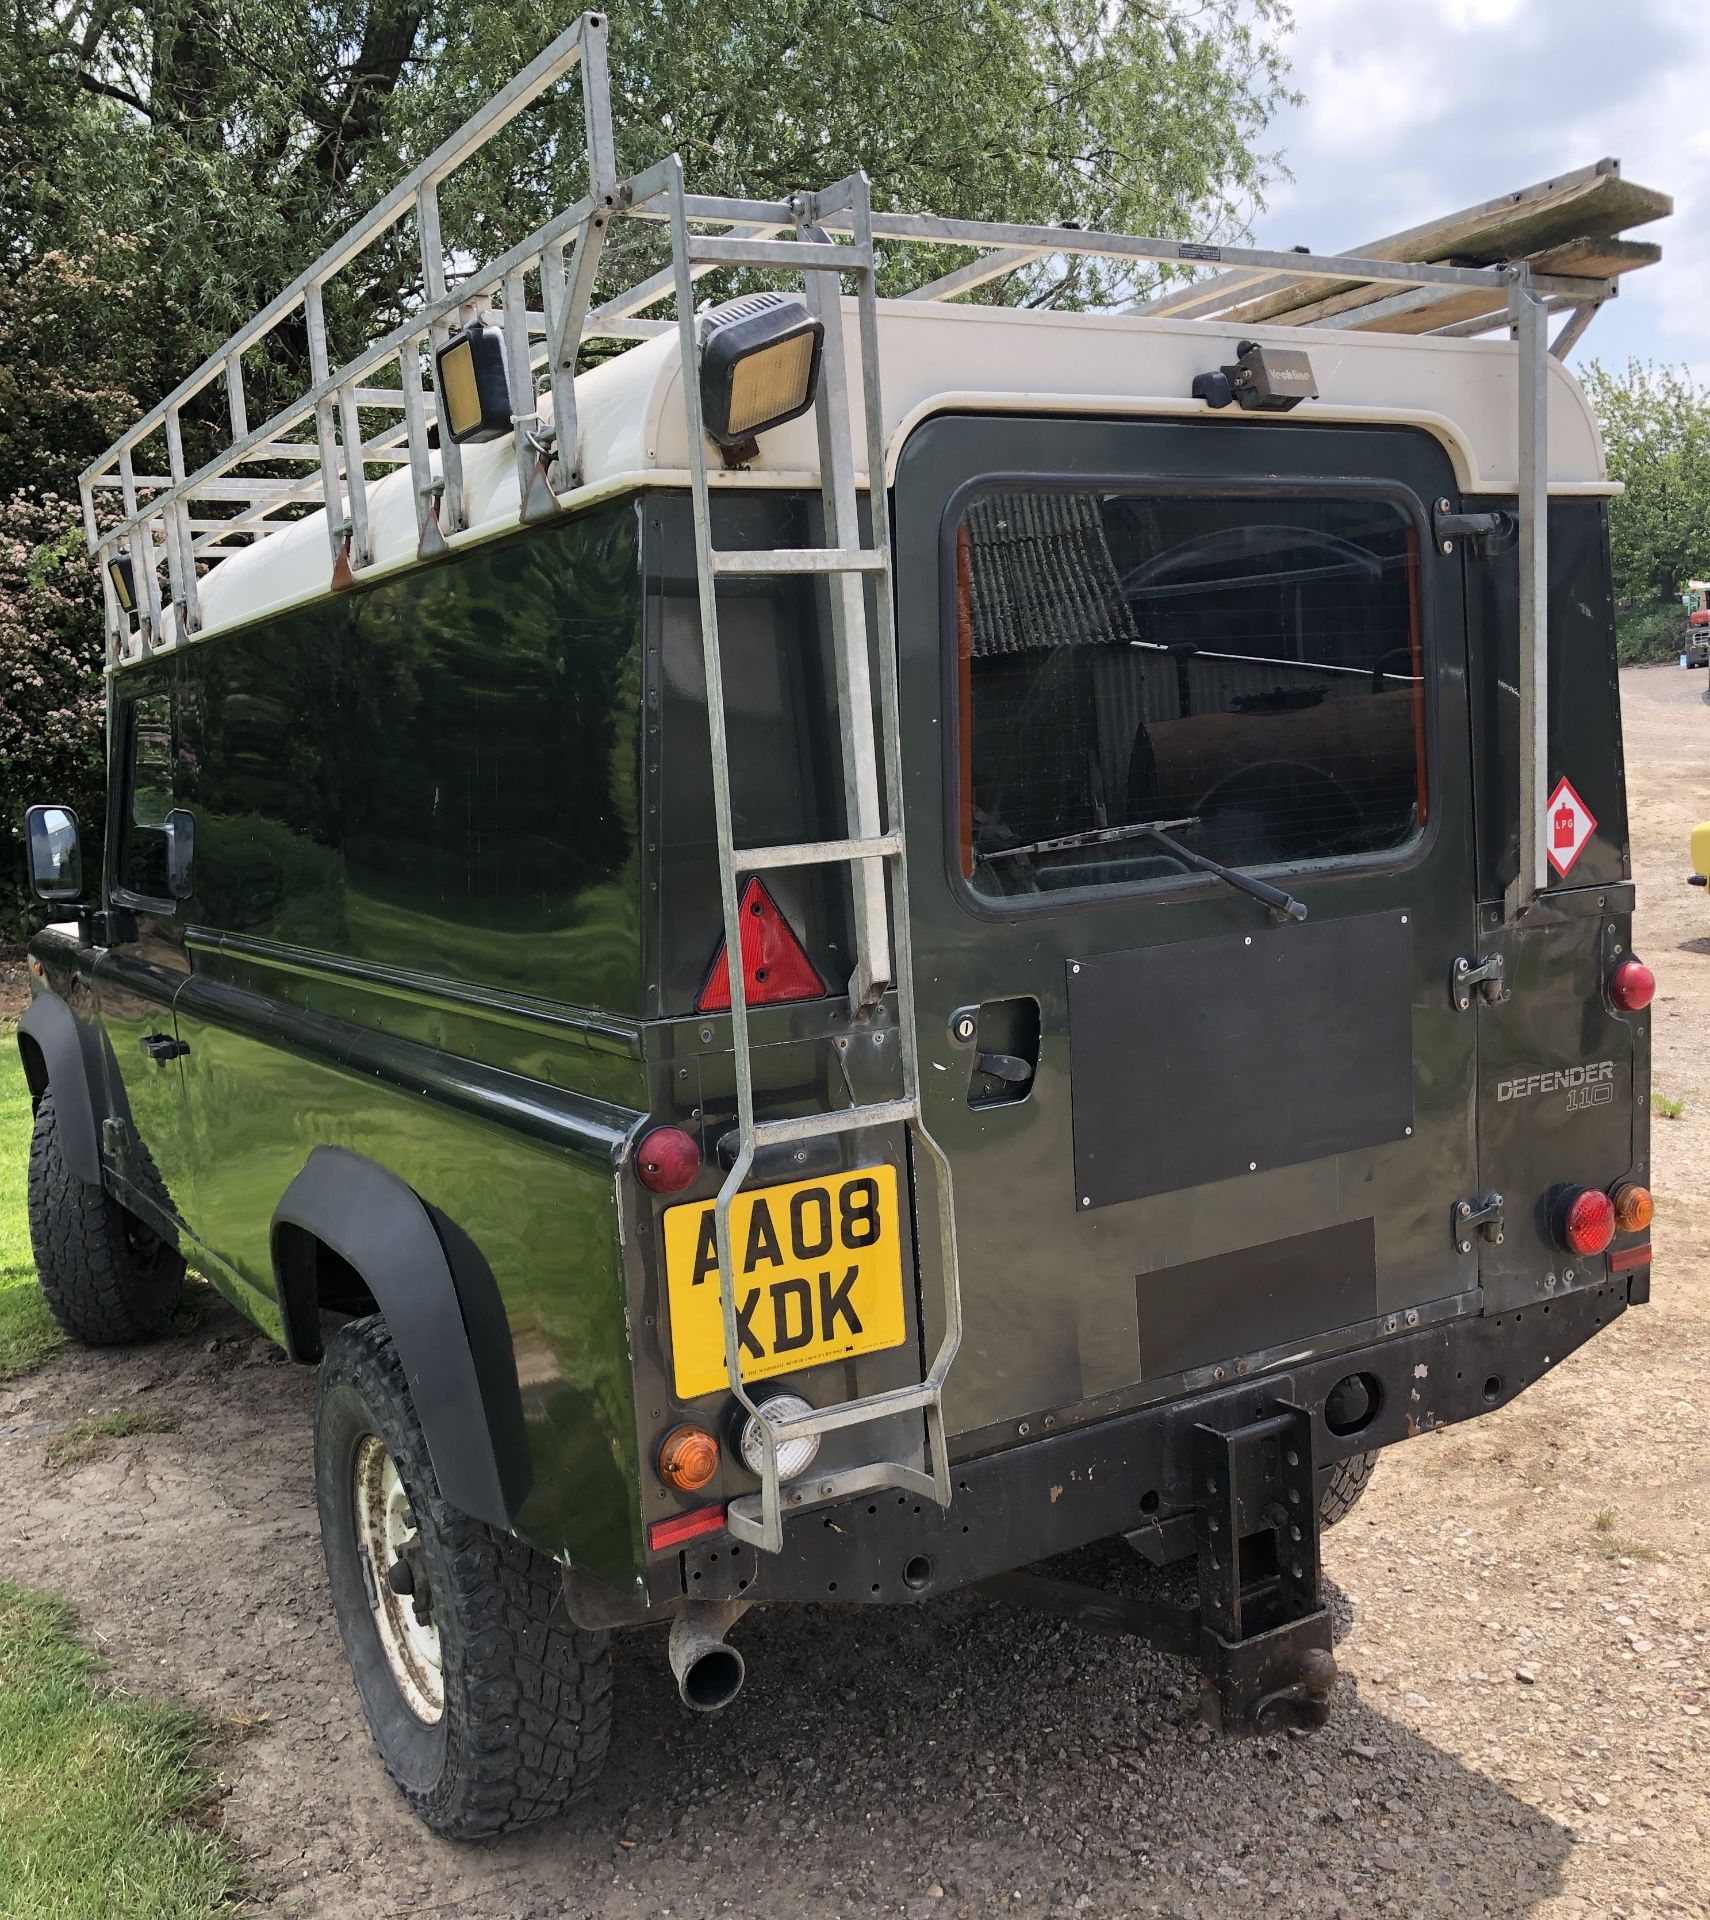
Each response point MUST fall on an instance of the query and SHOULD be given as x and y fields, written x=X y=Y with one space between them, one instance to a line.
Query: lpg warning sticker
x=1568 y=824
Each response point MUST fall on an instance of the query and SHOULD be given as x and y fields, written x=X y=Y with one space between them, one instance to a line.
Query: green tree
x=167 y=165
x=1656 y=432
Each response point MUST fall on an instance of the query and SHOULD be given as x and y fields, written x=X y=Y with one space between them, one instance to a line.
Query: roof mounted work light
x=759 y=366
x=123 y=577
x=474 y=384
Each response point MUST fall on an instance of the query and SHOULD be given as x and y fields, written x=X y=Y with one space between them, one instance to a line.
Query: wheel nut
x=399 y=1577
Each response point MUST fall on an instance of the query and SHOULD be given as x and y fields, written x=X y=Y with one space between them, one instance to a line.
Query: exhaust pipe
x=709 y=1671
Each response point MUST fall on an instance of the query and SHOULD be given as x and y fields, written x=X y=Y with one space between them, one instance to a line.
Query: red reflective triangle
x=774 y=967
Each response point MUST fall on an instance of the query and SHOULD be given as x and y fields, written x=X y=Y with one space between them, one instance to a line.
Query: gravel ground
x=1524 y=1606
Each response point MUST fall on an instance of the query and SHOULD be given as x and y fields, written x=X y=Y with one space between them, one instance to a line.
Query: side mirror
x=56 y=855
x=180 y=827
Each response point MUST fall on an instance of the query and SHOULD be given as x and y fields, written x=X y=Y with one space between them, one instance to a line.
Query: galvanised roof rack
x=193 y=520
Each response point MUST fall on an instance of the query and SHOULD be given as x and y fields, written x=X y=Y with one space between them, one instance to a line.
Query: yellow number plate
x=819 y=1278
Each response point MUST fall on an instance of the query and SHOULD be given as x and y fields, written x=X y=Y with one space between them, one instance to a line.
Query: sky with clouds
x=1415 y=108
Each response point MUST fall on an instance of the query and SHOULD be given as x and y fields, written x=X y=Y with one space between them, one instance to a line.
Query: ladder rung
x=811 y=1126
x=804 y=256
x=855 y=1413
x=771 y=560
x=818 y=853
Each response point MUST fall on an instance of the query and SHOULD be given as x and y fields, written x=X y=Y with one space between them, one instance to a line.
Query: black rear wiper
x=1283 y=906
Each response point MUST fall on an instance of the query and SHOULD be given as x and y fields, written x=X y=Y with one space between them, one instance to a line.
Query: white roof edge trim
x=973 y=400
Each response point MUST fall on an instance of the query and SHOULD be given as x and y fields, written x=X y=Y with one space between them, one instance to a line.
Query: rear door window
x=1244 y=671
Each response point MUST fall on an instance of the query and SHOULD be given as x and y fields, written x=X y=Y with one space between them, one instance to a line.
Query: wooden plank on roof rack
x=1576 y=216
x=1373 y=308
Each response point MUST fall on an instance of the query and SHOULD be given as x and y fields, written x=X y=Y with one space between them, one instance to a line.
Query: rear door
x=1187 y=1139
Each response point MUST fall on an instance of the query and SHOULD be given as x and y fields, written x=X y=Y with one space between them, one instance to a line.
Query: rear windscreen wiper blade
x=1283 y=906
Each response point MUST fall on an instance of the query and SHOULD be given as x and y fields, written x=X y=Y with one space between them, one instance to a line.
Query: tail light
x=1633 y=1206
x=774 y=967
x=1584 y=1221
x=1632 y=986
x=668 y=1160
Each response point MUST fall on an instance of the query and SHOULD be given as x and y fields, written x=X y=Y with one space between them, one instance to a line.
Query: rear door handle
x=162 y=1047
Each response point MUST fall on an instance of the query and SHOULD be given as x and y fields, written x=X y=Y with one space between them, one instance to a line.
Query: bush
x=52 y=742
x=1652 y=630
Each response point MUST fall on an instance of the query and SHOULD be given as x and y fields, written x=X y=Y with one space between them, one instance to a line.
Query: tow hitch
x=1260 y=1630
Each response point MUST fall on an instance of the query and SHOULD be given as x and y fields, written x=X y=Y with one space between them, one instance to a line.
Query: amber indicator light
x=1634 y=1207
x=688 y=1458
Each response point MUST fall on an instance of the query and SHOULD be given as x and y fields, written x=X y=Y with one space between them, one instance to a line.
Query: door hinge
x=1489 y=532
x=1483 y=975
x=115 y=1138
x=1483 y=1213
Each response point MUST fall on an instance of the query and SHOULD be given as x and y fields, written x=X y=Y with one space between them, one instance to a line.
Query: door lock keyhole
x=1002 y=1037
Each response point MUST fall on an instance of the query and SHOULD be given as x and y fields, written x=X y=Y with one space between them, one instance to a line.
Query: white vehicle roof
x=953 y=358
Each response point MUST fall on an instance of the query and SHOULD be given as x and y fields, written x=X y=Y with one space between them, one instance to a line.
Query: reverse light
x=774 y=967
x=794 y=1456
x=688 y=1458
x=1584 y=1221
x=1632 y=986
x=1634 y=1207
x=759 y=365
x=667 y=1160
x=474 y=385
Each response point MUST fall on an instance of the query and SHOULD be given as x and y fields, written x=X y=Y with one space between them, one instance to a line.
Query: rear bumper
x=1134 y=1473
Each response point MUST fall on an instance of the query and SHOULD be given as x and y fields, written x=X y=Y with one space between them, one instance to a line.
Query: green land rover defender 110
x=874 y=940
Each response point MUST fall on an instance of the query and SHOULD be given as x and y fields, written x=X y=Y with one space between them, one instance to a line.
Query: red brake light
x=1587 y=1221
x=774 y=967
x=1632 y=986
x=667 y=1160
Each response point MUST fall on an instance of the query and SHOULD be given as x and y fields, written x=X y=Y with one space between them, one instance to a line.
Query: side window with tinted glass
x=140 y=865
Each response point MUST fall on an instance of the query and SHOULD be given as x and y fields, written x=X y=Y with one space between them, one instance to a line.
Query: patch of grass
x=1669 y=1109
x=27 y=1332
x=1603 y=1521
x=105 y=1802
x=93 y=1439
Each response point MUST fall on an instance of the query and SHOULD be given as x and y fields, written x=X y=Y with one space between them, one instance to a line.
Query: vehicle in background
x=1695 y=651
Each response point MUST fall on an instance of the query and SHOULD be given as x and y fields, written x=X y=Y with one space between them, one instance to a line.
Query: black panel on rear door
x=1207 y=1059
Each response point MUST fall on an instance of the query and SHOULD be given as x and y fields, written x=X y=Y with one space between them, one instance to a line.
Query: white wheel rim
x=385 y=1535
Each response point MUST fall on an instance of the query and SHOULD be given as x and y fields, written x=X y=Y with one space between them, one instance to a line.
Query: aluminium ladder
x=882 y=943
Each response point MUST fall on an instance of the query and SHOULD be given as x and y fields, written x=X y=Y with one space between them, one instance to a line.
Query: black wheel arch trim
x=441 y=1305
x=63 y=1052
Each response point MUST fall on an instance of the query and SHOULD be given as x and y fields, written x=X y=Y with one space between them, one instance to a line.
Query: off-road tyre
x=527 y=1695
x=108 y=1279
x=1348 y=1481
